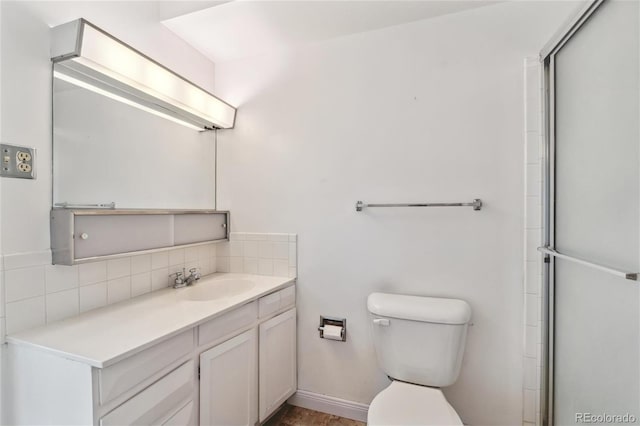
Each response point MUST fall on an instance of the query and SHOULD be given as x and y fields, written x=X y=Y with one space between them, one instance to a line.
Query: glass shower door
x=596 y=217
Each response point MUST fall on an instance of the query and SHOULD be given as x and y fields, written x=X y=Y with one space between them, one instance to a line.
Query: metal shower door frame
x=547 y=58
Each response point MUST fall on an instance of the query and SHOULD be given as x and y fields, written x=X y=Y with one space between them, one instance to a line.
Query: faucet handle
x=195 y=273
x=179 y=279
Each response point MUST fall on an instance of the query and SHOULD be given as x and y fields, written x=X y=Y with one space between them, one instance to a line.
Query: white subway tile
x=118 y=290
x=205 y=266
x=293 y=272
x=278 y=237
x=223 y=264
x=2 y=294
x=293 y=255
x=265 y=267
x=250 y=248
x=25 y=260
x=533 y=278
x=140 y=284
x=24 y=283
x=203 y=252
x=3 y=333
x=236 y=264
x=222 y=249
x=533 y=213
x=159 y=260
x=530 y=341
x=293 y=238
x=91 y=273
x=532 y=309
x=534 y=180
x=532 y=145
x=530 y=370
x=529 y=405
x=281 y=268
x=25 y=314
x=235 y=248
x=265 y=250
x=250 y=265
x=281 y=250
x=60 y=277
x=255 y=237
x=534 y=240
x=93 y=296
x=176 y=257
x=190 y=254
x=140 y=264
x=192 y=264
x=63 y=304
x=213 y=264
x=160 y=279
x=118 y=268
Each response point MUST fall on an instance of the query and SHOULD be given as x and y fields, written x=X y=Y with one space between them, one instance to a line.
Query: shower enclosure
x=592 y=217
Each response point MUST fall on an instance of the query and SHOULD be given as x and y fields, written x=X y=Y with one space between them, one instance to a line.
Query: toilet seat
x=406 y=404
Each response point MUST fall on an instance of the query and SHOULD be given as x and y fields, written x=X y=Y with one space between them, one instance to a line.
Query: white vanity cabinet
x=244 y=379
x=234 y=369
x=278 y=372
x=229 y=382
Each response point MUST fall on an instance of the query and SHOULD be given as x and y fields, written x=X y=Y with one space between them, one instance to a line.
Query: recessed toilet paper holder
x=335 y=322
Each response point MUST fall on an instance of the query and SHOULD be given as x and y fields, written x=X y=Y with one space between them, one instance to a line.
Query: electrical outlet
x=23 y=156
x=17 y=162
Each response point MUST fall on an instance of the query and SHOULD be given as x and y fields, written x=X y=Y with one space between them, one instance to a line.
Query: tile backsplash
x=262 y=254
x=33 y=292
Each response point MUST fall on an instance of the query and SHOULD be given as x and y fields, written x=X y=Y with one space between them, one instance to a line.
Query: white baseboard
x=329 y=404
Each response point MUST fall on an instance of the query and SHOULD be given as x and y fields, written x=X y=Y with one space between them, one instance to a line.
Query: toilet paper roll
x=332 y=332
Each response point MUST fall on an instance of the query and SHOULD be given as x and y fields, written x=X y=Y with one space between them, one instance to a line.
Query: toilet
x=419 y=343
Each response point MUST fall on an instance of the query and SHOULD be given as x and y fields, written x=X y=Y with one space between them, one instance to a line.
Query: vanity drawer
x=124 y=375
x=228 y=323
x=184 y=417
x=157 y=401
x=277 y=301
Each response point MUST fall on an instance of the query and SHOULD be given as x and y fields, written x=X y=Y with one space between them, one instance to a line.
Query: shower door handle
x=633 y=276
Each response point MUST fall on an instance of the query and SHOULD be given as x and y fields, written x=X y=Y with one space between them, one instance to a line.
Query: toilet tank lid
x=419 y=308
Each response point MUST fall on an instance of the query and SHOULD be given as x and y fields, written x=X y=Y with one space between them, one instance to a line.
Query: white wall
x=428 y=111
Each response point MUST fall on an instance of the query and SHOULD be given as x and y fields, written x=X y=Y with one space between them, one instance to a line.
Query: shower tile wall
x=33 y=292
x=532 y=290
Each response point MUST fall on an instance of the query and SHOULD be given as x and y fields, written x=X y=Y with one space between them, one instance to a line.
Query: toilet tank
x=419 y=339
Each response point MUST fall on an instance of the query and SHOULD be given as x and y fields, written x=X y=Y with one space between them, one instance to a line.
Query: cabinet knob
x=84 y=236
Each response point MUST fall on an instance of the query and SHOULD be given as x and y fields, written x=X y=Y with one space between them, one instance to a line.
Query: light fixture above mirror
x=89 y=57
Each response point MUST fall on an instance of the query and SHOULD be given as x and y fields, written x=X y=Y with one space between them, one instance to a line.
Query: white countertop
x=104 y=336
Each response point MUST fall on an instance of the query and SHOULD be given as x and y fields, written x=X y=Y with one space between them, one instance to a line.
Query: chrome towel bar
x=476 y=204
x=633 y=276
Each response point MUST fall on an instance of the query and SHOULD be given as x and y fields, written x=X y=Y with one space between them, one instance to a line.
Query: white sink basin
x=218 y=289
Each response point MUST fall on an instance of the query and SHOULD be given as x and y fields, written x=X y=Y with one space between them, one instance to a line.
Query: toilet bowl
x=419 y=342
x=402 y=404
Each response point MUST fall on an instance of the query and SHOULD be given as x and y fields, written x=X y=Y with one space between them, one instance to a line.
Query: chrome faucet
x=181 y=280
x=194 y=275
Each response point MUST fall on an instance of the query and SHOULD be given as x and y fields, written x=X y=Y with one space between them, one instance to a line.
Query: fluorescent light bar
x=110 y=95
x=93 y=55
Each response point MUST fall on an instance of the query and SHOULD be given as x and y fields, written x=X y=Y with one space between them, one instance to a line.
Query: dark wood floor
x=296 y=416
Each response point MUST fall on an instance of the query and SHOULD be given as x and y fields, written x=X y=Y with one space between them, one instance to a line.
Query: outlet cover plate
x=17 y=162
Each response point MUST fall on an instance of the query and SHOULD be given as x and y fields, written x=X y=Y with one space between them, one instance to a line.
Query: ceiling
x=238 y=29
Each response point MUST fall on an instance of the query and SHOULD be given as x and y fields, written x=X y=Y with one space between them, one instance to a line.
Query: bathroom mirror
x=107 y=151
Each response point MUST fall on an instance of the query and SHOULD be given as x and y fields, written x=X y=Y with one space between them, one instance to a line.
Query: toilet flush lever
x=383 y=322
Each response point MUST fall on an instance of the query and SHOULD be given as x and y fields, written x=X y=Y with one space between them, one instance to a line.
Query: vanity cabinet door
x=229 y=382
x=278 y=378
